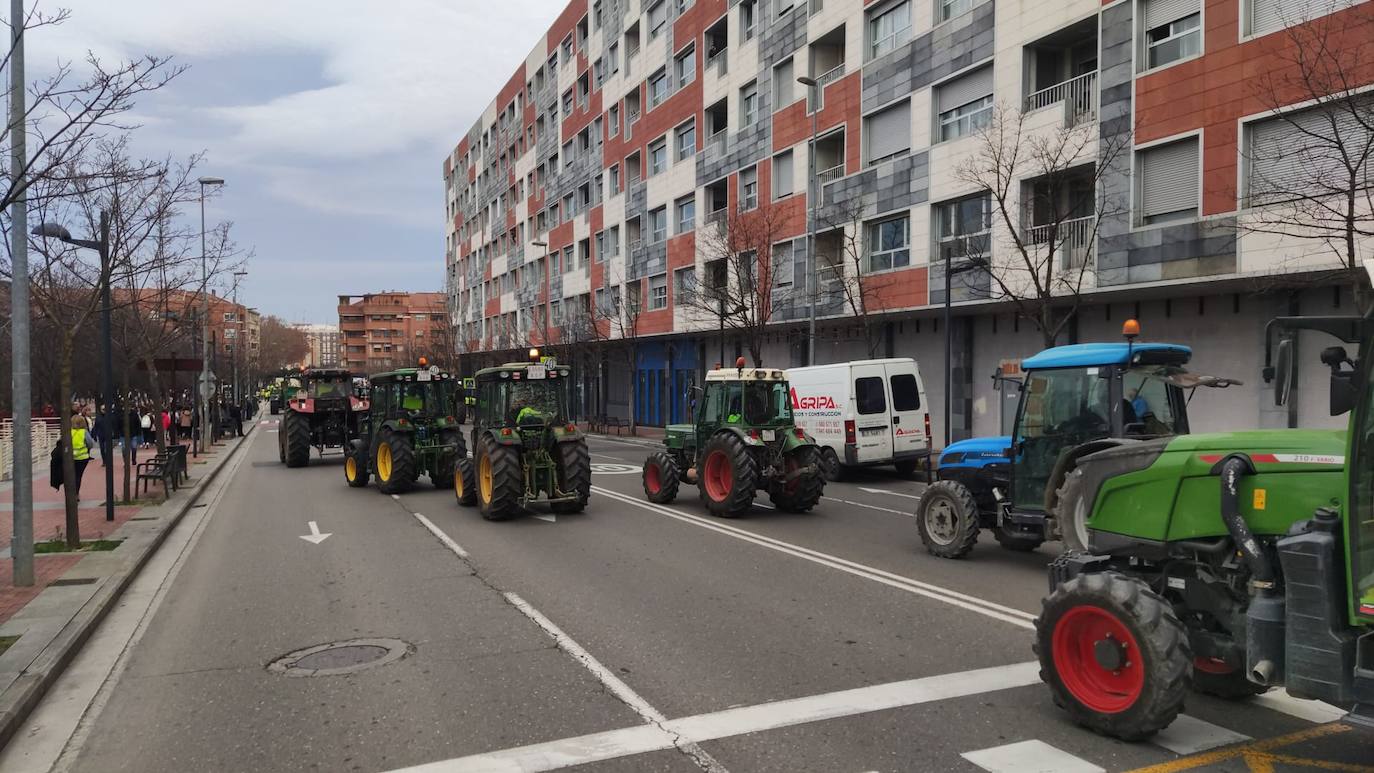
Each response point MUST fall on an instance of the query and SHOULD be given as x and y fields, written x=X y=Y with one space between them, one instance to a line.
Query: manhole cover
x=340 y=657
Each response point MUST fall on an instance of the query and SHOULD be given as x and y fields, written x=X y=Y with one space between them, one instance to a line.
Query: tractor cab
x=523 y=396
x=325 y=389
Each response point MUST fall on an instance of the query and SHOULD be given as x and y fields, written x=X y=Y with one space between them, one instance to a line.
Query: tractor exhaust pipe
x=1266 y=617
x=1231 y=469
x=1262 y=672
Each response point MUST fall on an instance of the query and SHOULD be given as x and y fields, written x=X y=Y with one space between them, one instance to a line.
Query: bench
x=161 y=468
x=607 y=422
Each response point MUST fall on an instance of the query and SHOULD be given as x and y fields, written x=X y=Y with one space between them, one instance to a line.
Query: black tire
x=830 y=465
x=1156 y=654
x=296 y=429
x=1071 y=513
x=465 y=482
x=907 y=467
x=281 y=442
x=661 y=478
x=1227 y=685
x=499 y=495
x=1020 y=542
x=805 y=492
x=574 y=475
x=443 y=477
x=729 y=492
x=356 y=470
x=402 y=462
x=947 y=518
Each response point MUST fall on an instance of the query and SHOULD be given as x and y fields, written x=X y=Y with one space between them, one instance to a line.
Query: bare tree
x=1042 y=193
x=1311 y=171
x=842 y=269
x=617 y=323
x=281 y=345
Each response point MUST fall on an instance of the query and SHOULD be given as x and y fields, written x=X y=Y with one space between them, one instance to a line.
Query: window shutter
x=889 y=132
x=782 y=174
x=782 y=85
x=966 y=89
x=1301 y=154
x=1160 y=12
x=1271 y=15
x=1169 y=178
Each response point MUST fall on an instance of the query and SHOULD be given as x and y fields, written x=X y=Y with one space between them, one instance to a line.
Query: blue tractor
x=1074 y=400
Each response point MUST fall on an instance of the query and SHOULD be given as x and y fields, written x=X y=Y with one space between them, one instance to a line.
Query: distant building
x=323 y=342
x=389 y=329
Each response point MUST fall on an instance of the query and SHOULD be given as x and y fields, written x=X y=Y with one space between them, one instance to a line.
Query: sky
x=329 y=122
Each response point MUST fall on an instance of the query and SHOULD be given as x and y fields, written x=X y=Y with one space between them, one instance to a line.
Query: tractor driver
x=414 y=400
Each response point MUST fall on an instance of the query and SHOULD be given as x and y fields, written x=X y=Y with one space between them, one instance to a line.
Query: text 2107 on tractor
x=526 y=447
x=1228 y=562
x=743 y=440
x=410 y=431
x=324 y=413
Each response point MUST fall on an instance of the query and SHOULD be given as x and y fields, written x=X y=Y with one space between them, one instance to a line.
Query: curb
x=22 y=695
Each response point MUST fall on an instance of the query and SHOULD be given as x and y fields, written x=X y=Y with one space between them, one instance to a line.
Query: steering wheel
x=1082 y=424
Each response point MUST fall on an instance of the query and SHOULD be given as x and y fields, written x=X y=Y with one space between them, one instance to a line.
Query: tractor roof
x=746 y=374
x=507 y=370
x=310 y=373
x=410 y=374
x=1088 y=355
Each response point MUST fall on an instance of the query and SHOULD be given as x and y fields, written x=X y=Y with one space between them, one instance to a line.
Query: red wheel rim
x=1080 y=637
x=1211 y=666
x=718 y=476
x=652 y=480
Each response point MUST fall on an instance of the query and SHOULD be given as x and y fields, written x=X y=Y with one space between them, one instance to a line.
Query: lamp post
x=812 y=285
x=238 y=335
x=21 y=387
x=203 y=405
x=101 y=245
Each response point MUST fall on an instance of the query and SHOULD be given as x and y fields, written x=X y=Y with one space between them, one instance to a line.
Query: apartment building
x=322 y=342
x=380 y=331
x=601 y=193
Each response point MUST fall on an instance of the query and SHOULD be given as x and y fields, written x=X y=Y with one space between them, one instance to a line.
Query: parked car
x=864 y=413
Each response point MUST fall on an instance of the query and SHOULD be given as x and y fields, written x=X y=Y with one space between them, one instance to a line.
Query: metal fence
x=1079 y=96
x=44 y=436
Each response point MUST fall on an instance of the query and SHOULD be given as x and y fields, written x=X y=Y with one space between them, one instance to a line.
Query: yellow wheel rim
x=384 y=462
x=351 y=468
x=457 y=481
x=484 y=484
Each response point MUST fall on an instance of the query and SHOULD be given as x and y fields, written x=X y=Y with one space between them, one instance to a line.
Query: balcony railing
x=817 y=95
x=716 y=144
x=720 y=61
x=1073 y=238
x=1079 y=96
x=827 y=176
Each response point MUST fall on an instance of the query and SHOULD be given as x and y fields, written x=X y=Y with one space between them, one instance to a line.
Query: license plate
x=422 y=375
x=536 y=372
x=769 y=436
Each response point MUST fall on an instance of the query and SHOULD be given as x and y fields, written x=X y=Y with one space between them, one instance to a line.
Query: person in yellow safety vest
x=81 y=446
x=528 y=412
x=414 y=399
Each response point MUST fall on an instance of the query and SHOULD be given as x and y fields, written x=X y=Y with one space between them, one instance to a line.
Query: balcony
x=828 y=59
x=817 y=98
x=1072 y=238
x=1062 y=67
x=1079 y=96
x=716 y=145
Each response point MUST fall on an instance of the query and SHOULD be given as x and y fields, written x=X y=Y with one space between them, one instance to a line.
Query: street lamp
x=102 y=247
x=203 y=405
x=812 y=283
x=238 y=335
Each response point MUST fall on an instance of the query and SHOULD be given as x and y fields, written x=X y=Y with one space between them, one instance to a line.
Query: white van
x=864 y=412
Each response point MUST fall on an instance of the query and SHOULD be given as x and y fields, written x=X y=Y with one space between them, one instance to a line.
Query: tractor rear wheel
x=1072 y=511
x=395 y=462
x=355 y=464
x=296 y=428
x=729 y=476
x=661 y=478
x=574 y=475
x=499 y=480
x=830 y=465
x=453 y=439
x=1019 y=541
x=1114 y=654
x=465 y=482
x=1215 y=678
x=947 y=519
x=803 y=492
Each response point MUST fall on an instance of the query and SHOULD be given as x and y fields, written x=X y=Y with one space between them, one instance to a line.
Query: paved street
x=631 y=637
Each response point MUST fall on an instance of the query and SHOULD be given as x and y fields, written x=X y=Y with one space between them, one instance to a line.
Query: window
x=658 y=16
x=567 y=49
x=583 y=247
x=783 y=85
x=230 y=333
x=684 y=284
x=905 y=395
x=658 y=155
x=556 y=312
x=658 y=225
x=686 y=213
x=965 y=104
x=748 y=104
x=658 y=292
x=1168 y=36
x=613 y=57
x=1169 y=182
x=686 y=139
x=784 y=267
x=613 y=241
x=633 y=290
x=600 y=253
x=615 y=178
x=869 y=395
x=747 y=18
x=568 y=258
x=749 y=188
x=963 y=227
x=889 y=29
x=785 y=6
x=683 y=5
x=888 y=133
x=658 y=88
x=889 y=244
x=567 y=102
x=951 y=8
x=1307 y=153
x=615 y=120
x=782 y=174
x=685 y=66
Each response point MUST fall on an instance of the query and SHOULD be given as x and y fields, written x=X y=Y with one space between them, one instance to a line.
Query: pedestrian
x=49 y=412
x=145 y=425
x=81 y=446
x=135 y=433
x=185 y=420
x=167 y=432
x=236 y=418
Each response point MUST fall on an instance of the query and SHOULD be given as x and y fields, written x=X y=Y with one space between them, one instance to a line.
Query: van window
x=868 y=393
x=905 y=395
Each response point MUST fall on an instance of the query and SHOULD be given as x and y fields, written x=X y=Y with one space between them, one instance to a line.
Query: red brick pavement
x=46 y=568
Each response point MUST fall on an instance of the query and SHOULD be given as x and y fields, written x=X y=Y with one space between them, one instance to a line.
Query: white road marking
x=550 y=517
x=1029 y=757
x=870 y=507
x=396 y=497
x=609 y=468
x=607 y=456
x=1190 y=735
x=315 y=537
x=444 y=538
x=890 y=493
x=1016 y=617
x=613 y=744
x=1312 y=711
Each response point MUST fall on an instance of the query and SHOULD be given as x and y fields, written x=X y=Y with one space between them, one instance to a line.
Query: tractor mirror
x=1283 y=371
x=1343 y=392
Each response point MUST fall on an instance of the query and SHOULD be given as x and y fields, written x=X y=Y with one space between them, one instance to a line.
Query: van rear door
x=872 y=417
x=908 y=413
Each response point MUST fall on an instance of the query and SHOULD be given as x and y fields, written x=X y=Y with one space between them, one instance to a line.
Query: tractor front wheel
x=456 y=449
x=947 y=519
x=1114 y=654
x=465 y=482
x=729 y=476
x=395 y=462
x=355 y=465
x=798 y=493
x=296 y=429
x=1071 y=512
x=574 y=475
x=661 y=478
x=500 y=481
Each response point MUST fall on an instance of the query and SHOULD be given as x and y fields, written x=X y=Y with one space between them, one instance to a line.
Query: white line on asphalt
x=1190 y=735
x=870 y=507
x=1313 y=711
x=607 y=456
x=444 y=538
x=1029 y=757
x=890 y=493
x=991 y=609
x=613 y=744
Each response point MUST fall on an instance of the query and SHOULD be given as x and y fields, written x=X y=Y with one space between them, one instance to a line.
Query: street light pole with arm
x=812 y=283
x=238 y=335
x=203 y=405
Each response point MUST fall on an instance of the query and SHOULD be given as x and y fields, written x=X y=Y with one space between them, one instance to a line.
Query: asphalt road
x=630 y=637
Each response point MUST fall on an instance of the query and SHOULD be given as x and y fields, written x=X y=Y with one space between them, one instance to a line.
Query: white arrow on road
x=892 y=493
x=315 y=536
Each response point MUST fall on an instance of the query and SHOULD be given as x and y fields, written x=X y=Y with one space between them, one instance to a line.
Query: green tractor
x=1229 y=563
x=526 y=447
x=743 y=440
x=409 y=431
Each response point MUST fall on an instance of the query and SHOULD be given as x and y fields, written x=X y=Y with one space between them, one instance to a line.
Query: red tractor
x=324 y=413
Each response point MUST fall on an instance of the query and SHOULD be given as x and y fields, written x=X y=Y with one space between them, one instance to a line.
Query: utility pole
x=204 y=403
x=21 y=545
x=106 y=277
x=238 y=336
x=812 y=191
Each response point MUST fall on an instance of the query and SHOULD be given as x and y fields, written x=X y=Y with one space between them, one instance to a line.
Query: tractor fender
x=501 y=439
x=396 y=425
x=306 y=405
x=1069 y=460
x=564 y=435
x=790 y=441
x=737 y=432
